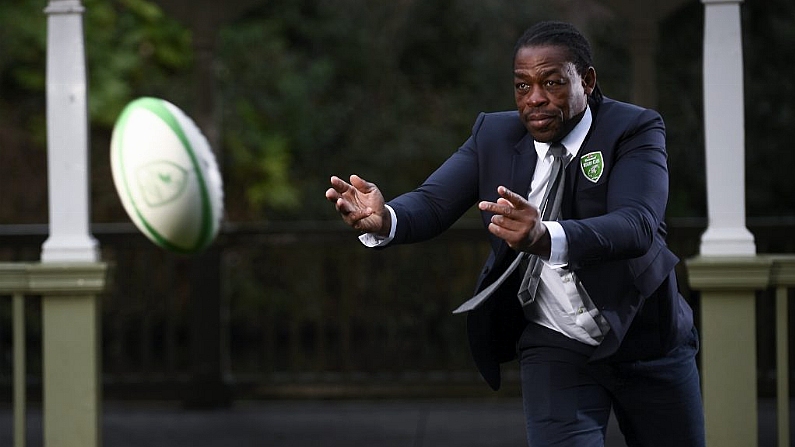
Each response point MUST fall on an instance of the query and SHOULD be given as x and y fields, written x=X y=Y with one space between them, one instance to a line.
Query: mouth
x=539 y=120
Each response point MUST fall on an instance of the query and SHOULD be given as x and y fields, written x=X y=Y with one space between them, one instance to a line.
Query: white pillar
x=67 y=137
x=724 y=127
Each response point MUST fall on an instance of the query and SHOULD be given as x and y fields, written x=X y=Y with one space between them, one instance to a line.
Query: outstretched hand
x=517 y=222
x=361 y=205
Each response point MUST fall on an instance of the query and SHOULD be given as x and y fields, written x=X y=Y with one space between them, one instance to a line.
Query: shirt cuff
x=559 y=246
x=374 y=240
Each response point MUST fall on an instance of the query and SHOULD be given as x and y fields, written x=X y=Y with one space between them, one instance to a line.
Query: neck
x=569 y=125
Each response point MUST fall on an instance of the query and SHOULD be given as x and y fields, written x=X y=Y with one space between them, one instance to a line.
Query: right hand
x=361 y=205
x=518 y=223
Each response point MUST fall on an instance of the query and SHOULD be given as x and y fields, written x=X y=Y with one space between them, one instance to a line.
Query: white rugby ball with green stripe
x=166 y=175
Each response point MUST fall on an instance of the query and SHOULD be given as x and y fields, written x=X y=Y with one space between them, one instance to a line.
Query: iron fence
x=301 y=309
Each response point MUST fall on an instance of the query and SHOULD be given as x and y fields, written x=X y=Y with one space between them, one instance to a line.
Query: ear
x=589 y=81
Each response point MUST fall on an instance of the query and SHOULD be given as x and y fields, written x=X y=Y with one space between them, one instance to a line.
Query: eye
x=521 y=87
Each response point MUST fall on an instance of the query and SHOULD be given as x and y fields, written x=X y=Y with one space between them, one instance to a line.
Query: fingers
x=338 y=187
x=361 y=184
x=514 y=218
x=332 y=195
x=515 y=199
x=343 y=195
x=507 y=205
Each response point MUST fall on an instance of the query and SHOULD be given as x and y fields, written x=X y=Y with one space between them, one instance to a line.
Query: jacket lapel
x=572 y=177
x=573 y=169
x=523 y=166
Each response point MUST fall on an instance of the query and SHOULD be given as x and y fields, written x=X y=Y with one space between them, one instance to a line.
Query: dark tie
x=549 y=209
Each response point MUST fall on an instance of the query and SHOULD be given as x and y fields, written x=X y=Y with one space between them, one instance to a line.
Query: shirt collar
x=573 y=140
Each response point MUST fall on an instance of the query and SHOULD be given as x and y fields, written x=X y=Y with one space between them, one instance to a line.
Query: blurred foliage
x=681 y=104
x=769 y=31
x=769 y=54
x=132 y=49
x=306 y=89
x=387 y=90
x=22 y=62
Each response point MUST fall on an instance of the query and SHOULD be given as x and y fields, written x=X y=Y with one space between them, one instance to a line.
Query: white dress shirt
x=562 y=304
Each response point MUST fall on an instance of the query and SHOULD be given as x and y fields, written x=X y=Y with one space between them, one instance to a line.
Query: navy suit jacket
x=614 y=226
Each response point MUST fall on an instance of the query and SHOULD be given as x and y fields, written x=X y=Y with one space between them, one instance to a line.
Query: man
x=605 y=327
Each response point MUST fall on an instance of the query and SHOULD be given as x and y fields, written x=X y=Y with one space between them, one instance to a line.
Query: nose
x=535 y=97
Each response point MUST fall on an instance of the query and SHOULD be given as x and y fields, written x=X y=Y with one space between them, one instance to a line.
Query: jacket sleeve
x=443 y=198
x=635 y=198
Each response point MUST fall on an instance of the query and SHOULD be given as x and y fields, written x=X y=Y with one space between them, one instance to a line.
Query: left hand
x=517 y=222
x=361 y=205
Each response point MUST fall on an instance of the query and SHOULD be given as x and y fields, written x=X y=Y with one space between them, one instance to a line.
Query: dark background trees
x=310 y=88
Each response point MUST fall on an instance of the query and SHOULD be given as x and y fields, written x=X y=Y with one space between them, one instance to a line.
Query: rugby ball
x=166 y=175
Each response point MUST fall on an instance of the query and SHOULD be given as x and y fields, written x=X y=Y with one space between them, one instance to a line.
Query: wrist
x=386 y=224
x=541 y=246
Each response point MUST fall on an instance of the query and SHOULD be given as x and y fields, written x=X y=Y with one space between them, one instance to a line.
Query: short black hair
x=564 y=35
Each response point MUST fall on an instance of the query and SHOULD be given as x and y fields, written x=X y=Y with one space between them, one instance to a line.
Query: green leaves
x=132 y=49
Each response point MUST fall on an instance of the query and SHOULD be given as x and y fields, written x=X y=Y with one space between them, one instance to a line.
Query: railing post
x=783 y=277
x=71 y=356
x=728 y=287
x=20 y=398
x=782 y=367
x=13 y=281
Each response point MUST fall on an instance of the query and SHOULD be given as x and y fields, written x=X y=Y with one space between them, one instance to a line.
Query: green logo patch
x=593 y=165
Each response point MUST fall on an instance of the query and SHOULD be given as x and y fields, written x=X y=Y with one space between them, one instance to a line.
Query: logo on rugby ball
x=161 y=182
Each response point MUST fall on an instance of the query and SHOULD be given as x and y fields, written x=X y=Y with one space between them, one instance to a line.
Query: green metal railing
x=70 y=321
x=783 y=278
x=729 y=287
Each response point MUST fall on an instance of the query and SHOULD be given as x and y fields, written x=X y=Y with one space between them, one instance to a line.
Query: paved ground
x=312 y=423
x=438 y=423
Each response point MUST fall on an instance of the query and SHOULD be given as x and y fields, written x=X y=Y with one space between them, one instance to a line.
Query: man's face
x=550 y=94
